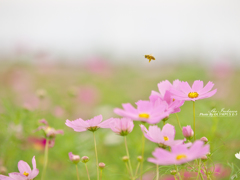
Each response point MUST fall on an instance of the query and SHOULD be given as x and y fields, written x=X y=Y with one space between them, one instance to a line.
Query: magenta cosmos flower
x=150 y=112
x=93 y=124
x=164 y=137
x=122 y=126
x=197 y=91
x=179 y=154
x=165 y=95
x=25 y=172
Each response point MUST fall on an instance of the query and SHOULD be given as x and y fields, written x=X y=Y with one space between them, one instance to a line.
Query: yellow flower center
x=193 y=95
x=25 y=174
x=165 y=138
x=173 y=99
x=181 y=156
x=144 y=115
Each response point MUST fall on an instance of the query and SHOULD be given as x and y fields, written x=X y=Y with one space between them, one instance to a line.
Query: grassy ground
x=78 y=91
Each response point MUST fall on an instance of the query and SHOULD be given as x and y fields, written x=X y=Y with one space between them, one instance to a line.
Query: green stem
x=77 y=172
x=180 y=178
x=129 y=162
x=164 y=122
x=138 y=165
x=178 y=122
x=87 y=171
x=129 y=173
x=194 y=121
x=175 y=177
x=157 y=173
x=45 y=159
x=208 y=176
x=95 y=144
x=199 y=167
x=101 y=174
x=143 y=145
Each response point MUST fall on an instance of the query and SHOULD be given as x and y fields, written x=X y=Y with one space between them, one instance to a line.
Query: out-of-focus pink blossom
x=31 y=102
x=93 y=124
x=21 y=82
x=88 y=95
x=98 y=66
x=58 y=111
x=196 y=92
x=49 y=132
x=217 y=172
x=40 y=143
x=222 y=70
x=220 y=171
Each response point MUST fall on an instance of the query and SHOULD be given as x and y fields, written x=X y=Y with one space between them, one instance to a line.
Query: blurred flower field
x=56 y=92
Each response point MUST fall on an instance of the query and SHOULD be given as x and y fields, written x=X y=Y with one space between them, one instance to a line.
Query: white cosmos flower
x=237 y=155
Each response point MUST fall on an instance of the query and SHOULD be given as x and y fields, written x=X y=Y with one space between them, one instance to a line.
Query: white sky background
x=169 y=28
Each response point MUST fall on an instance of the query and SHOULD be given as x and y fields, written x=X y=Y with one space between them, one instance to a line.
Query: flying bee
x=149 y=57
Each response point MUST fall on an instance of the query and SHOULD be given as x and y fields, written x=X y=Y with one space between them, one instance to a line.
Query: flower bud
x=51 y=132
x=125 y=158
x=85 y=159
x=101 y=165
x=74 y=158
x=3 y=170
x=204 y=158
x=204 y=139
x=187 y=132
x=165 y=119
x=139 y=158
x=41 y=93
x=173 y=172
x=72 y=91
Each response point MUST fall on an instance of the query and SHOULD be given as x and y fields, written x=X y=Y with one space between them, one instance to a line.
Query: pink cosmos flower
x=122 y=126
x=164 y=137
x=49 y=131
x=165 y=95
x=187 y=131
x=150 y=112
x=93 y=124
x=196 y=92
x=25 y=172
x=179 y=154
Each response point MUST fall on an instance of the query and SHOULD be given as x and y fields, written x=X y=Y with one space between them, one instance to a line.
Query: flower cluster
x=158 y=108
x=149 y=113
